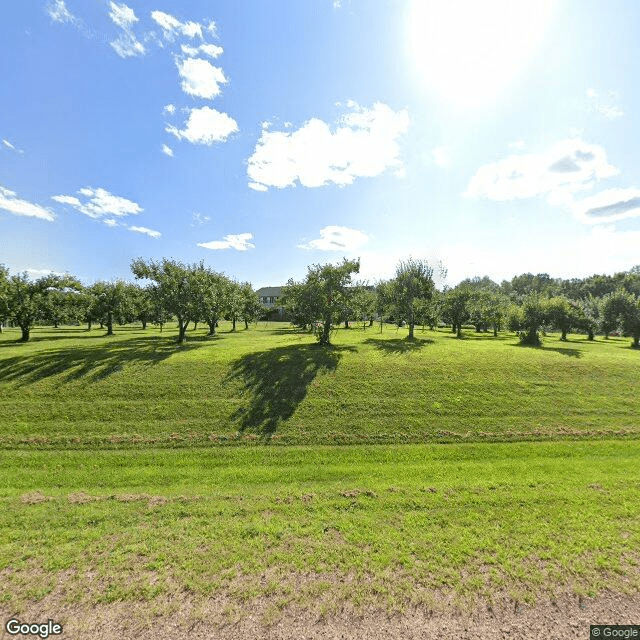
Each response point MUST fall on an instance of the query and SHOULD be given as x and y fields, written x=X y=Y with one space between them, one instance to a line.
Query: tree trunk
x=495 y=331
x=590 y=336
x=326 y=329
x=454 y=326
x=563 y=337
x=195 y=326
x=0 y=327
x=246 y=324
x=636 y=342
x=89 y=323
x=233 y=321
x=144 y=324
x=371 y=322
x=212 y=327
x=55 y=324
x=25 y=334
x=410 y=331
x=182 y=330
x=346 y=324
x=459 y=331
x=101 y=324
x=109 y=325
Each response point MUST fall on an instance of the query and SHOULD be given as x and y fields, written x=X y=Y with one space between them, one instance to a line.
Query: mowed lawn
x=70 y=387
x=477 y=470
x=318 y=528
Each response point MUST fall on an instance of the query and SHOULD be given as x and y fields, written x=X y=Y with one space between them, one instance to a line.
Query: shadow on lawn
x=398 y=345
x=91 y=362
x=277 y=381
x=568 y=351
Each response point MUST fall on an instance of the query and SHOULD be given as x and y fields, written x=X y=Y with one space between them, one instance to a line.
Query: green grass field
x=75 y=388
x=477 y=469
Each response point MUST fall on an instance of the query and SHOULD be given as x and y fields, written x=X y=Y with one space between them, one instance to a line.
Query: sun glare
x=469 y=50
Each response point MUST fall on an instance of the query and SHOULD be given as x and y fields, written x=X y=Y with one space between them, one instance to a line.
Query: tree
x=4 y=295
x=114 y=302
x=322 y=296
x=26 y=300
x=413 y=283
x=251 y=305
x=234 y=303
x=623 y=308
x=592 y=316
x=175 y=290
x=300 y=303
x=564 y=315
x=456 y=307
x=211 y=294
x=528 y=319
x=363 y=303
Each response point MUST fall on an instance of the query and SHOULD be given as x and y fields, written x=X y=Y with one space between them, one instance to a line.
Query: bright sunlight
x=469 y=50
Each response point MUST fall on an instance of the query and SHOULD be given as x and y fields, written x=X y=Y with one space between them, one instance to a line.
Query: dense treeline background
x=528 y=304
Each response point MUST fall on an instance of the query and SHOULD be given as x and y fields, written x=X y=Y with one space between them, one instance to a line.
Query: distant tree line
x=527 y=304
x=186 y=293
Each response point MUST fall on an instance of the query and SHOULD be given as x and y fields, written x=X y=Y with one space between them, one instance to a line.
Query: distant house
x=269 y=298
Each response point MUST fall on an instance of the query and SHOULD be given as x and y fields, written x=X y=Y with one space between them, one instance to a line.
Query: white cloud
x=570 y=166
x=199 y=218
x=148 y=232
x=240 y=242
x=169 y=109
x=256 y=186
x=517 y=144
x=100 y=203
x=167 y=150
x=211 y=50
x=335 y=238
x=609 y=205
x=110 y=222
x=364 y=144
x=38 y=273
x=126 y=45
x=11 y=203
x=172 y=27
x=58 y=12
x=200 y=78
x=604 y=105
x=205 y=126
x=8 y=144
x=122 y=15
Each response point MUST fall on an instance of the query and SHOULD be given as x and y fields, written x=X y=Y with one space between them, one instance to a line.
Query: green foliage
x=178 y=288
x=623 y=309
x=363 y=302
x=413 y=283
x=529 y=319
x=322 y=297
x=27 y=301
x=564 y=315
x=456 y=307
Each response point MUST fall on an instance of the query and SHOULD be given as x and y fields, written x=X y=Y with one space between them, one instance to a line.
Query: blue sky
x=497 y=137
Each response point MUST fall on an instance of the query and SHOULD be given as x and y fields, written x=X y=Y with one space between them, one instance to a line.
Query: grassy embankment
x=316 y=526
x=75 y=388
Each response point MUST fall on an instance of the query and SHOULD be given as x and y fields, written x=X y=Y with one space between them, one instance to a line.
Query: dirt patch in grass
x=34 y=497
x=180 y=616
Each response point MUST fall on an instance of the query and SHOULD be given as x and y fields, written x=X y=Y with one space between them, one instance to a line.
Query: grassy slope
x=320 y=526
x=81 y=389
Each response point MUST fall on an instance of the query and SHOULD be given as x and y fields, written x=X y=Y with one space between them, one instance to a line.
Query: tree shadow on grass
x=92 y=363
x=569 y=352
x=398 y=345
x=277 y=381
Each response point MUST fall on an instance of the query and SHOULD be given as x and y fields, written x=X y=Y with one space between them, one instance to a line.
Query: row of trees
x=188 y=293
x=328 y=296
x=194 y=293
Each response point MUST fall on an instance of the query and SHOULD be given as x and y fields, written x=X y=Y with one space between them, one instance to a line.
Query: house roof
x=269 y=291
